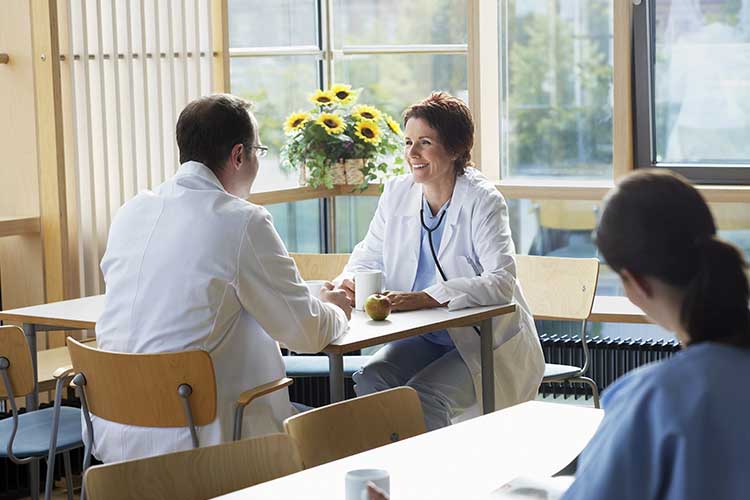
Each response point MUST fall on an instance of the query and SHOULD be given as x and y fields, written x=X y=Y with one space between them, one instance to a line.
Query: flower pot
x=343 y=172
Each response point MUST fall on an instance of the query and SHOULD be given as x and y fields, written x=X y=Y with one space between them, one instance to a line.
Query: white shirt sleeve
x=368 y=253
x=494 y=249
x=271 y=289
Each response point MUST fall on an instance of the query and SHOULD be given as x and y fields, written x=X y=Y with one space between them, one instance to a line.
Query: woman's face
x=429 y=161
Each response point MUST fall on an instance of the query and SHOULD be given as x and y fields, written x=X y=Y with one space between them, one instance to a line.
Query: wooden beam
x=50 y=147
x=11 y=226
x=622 y=130
x=220 y=44
x=484 y=90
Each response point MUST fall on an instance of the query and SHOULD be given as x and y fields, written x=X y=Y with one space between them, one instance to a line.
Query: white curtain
x=128 y=68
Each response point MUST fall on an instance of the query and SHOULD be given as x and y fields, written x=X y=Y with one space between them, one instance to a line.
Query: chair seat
x=317 y=366
x=559 y=372
x=32 y=438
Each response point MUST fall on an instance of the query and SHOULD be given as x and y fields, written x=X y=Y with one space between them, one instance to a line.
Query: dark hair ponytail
x=716 y=299
x=656 y=224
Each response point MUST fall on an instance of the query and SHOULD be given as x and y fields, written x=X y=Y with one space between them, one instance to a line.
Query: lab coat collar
x=412 y=203
x=199 y=169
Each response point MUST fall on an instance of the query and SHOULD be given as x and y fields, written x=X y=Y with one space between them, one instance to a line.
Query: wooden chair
x=196 y=474
x=34 y=435
x=356 y=425
x=153 y=390
x=561 y=289
x=571 y=217
x=320 y=266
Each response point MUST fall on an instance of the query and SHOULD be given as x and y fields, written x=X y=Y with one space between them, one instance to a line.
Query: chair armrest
x=62 y=372
x=248 y=396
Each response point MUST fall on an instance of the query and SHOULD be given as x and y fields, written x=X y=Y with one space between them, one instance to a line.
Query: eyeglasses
x=261 y=151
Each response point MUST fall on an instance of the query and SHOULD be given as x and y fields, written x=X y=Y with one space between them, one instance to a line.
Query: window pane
x=353 y=216
x=298 y=224
x=394 y=22
x=556 y=85
x=280 y=23
x=702 y=81
x=733 y=222
x=562 y=228
x=393 y=82
x=277 y=86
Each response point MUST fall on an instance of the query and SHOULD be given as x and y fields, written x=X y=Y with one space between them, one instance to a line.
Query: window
x=693 y=88
x=556 y=88
x=397 y=53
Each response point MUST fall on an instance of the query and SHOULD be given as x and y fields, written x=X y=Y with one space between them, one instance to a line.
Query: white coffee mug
x=315 y=286
x=365 y=284
x=356 y=482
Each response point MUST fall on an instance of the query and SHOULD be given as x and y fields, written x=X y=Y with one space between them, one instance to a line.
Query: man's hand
x=411 y=301
x=348 y=286
x=375 y=493
x=336 y=297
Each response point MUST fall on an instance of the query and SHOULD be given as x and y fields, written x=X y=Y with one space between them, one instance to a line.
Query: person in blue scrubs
x=676 y=429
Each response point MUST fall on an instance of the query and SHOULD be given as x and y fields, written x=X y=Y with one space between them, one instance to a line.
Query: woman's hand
x=411 y=301
x=375 y=493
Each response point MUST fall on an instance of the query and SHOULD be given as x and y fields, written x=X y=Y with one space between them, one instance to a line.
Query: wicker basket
x=344 y=172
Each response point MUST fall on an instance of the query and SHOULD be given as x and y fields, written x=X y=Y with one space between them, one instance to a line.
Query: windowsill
x=517 y=188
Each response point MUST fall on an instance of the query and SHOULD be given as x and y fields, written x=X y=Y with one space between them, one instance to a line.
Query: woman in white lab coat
x=446 y=200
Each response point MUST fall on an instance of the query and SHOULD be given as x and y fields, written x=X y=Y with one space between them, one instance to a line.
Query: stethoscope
x=432 y=244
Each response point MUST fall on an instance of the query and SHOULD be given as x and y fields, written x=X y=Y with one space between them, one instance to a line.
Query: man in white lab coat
x=193 y=265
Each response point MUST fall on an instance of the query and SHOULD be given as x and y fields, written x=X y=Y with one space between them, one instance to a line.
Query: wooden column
x=622 y=130
x=220 y=44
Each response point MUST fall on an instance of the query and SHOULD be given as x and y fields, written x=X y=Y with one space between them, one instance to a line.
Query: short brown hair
x=451 y=118
x=209 y=127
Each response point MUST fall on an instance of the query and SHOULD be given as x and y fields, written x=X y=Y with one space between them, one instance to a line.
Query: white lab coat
x=476 y=253
x=190 y=266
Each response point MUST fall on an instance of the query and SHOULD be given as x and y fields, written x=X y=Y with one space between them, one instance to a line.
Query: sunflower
x=365 y=112
x=342 y=93
x=333 y=124
x=393 y=125
x=322 y=97
x=296 y=121
x=368 y=131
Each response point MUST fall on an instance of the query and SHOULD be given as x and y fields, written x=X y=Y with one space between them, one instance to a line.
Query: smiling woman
x=466 y=218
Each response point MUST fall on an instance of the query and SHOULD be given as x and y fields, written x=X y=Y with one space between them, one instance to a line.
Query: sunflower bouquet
x=338 y=132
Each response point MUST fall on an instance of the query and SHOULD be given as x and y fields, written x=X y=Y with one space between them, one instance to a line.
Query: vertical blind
x=130 y=66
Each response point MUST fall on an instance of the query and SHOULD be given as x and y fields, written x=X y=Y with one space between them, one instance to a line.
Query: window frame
x=644 y=140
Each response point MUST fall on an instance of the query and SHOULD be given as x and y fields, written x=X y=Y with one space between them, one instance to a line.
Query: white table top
x=364 y=332
x=84 y=312
x=466 y=460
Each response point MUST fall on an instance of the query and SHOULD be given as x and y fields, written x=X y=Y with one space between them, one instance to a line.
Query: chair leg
x=592 y=384
x=68 y=474
x=34 y=479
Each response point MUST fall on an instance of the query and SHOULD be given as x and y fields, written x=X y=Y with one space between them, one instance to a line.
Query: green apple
x=378 y=306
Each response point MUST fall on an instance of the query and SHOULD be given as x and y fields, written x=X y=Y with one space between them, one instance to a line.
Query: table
x=465 y=460
x=611 y=309
x=83 y=314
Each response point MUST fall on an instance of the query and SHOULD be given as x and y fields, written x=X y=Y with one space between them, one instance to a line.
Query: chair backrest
x=572 y=215
x=15 y=349
x=320 y=266
x=141 y=389
x=196 y=474
x=558 y=288
x=356 y=425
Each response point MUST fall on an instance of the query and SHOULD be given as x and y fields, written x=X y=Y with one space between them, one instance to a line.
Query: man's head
x=220 y=131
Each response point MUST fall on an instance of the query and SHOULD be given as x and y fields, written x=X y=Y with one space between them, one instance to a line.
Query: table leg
x=336 y=376
x=488 y=367
x=32 y=400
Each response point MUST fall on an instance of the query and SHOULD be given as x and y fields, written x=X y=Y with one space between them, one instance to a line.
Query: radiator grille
x=610 y=359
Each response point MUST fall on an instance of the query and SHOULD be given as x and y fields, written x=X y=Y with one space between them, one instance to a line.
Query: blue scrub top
x=426 y=269
x=675 y=430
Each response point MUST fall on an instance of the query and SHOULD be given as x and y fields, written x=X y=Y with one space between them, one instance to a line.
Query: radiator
x=610 y=358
